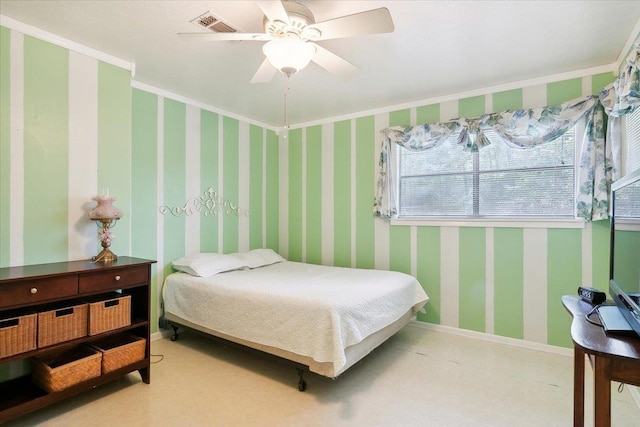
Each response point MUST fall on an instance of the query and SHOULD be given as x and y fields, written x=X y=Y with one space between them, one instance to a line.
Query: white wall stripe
x=380 y=226
x=534 y=96
x=488 y=103
x=243 y=185
x=587 y=253
x=534 y=294
x=83 y=154
x=304 y=195
x=283 y=225
x=352 y=206
x=160 y=195
x=327 y=194
x=490 y=282
x=449 y=276
x=16 y=141
x=220 y=179
x=192 y=187
x=448 y=110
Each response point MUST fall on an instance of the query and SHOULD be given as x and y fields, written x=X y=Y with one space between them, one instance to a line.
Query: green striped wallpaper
x=503 y=281
x=79 y=127
x=84 y=128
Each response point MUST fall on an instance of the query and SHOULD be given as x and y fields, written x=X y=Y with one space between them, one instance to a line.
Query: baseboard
x=160 y=334
x=513 y=342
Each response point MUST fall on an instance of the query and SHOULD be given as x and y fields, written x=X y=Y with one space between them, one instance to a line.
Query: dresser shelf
x=65 y=281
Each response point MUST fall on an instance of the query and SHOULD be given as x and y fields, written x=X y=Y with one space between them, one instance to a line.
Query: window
x=495 y=182
x=632 y=141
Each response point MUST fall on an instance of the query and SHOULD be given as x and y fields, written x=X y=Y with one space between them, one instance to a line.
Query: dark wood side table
x=613 y=358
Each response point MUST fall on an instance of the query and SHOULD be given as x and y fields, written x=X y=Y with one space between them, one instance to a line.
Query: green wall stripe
x=209 y=177
x=342 y=193
x=230 y=153
x=428 y=114
x=566 y=90
x=273 y=192
x=114 y=139
x=472 y=281
x=144 y=201
x=5 y=144
x=255 y=186
x=508 y=282
x=600 y=253
x=174 y=176
x=46 y=151
x=564 y=275
x=313 y=191
x=471 y=107
x=599 y=81
x=295 y=195
x=627 y=270
x=428 y=247
x=400 y=235
x=144 y=152
x=365 y=188
x=507 y=100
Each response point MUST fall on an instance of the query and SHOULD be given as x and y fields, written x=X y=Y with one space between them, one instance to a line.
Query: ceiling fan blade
x=265 y=73
x=274 y=11
x=374 y=21
x=217 y=37
x=334 y=64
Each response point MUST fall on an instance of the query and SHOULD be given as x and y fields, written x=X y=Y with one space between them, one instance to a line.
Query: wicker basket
x=60 y=370
x=120 y=350
x=62 y=324
x=108 y=314
x=17 y=334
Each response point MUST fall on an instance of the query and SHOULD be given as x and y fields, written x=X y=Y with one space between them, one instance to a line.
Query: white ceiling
x=438 y=48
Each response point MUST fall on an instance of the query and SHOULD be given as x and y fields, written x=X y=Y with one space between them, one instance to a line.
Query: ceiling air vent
x=212 y=23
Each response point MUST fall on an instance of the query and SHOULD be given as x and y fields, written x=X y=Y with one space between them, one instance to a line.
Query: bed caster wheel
x=302 y=385
x=174 y=337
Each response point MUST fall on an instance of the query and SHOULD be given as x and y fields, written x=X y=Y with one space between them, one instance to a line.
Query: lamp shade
x=105 y=209
x=289 y=55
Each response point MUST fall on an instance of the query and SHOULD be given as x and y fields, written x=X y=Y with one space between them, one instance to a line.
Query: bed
x=319 y=317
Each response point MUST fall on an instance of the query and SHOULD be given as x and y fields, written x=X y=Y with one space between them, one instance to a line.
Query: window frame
x=493 y=221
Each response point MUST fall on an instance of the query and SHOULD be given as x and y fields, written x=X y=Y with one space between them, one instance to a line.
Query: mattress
x=311 y=311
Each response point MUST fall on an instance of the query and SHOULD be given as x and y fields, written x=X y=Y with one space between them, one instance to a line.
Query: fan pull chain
x=286 y=114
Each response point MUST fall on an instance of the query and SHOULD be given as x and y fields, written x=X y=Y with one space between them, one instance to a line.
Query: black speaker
x=591 y=295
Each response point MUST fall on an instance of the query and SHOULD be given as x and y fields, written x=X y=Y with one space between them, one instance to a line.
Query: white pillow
x=207 y=264
x=258 y=257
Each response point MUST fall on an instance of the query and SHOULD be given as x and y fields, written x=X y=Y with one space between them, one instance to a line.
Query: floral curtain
x=519 y=129
x=619 y=98
x=414 y=138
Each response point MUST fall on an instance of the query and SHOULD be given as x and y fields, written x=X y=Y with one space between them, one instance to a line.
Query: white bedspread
x=311 y=310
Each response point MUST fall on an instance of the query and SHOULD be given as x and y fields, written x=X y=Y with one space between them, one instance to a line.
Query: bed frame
x=353 y=353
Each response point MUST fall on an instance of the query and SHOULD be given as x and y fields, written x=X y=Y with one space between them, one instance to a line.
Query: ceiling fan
x=290 y=31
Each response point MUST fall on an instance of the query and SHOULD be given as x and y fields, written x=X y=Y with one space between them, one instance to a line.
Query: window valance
x=623 y=96
x=521 y=129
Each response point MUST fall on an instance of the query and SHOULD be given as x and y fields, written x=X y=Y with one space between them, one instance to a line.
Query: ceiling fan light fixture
x=289 y=55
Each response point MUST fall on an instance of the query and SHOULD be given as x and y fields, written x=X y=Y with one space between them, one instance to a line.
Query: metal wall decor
x=210 y=203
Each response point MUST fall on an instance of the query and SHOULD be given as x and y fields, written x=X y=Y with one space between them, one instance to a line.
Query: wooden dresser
x=34 y=286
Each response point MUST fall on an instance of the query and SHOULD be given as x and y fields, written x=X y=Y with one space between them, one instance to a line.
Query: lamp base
x=105 y=255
